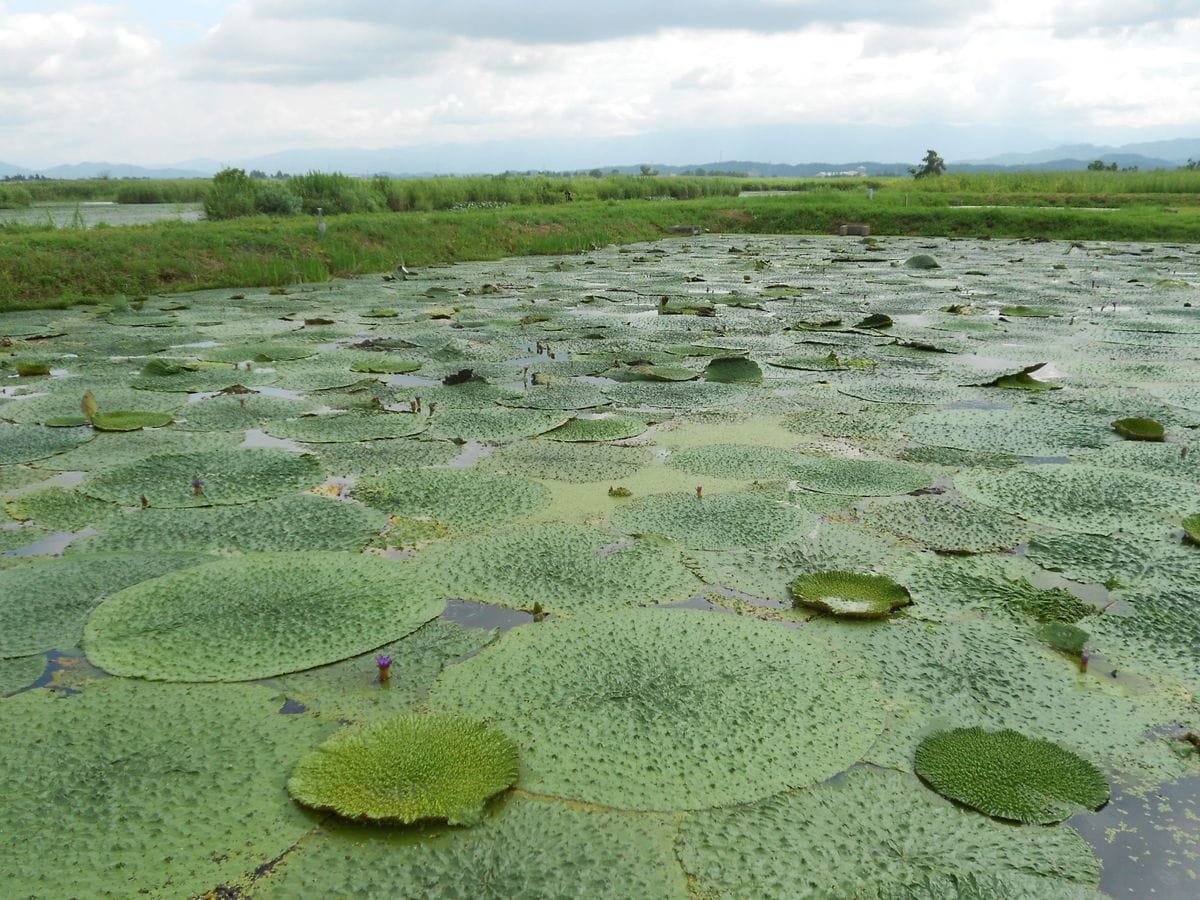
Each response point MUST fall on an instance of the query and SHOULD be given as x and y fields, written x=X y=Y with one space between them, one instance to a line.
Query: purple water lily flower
x=385 y=667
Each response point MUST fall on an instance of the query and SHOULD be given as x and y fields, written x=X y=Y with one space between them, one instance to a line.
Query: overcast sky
x=152 y=81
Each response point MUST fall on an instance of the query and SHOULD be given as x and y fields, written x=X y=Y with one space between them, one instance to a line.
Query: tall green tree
x=932 y=164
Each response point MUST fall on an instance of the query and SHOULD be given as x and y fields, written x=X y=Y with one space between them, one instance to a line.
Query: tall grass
x=42 y=268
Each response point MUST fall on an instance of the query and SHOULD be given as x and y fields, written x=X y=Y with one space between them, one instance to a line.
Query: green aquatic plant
x=129 y=420
x=529 y=847
x=922 y=261
x=947 y=524
x=463 y=499
x=1006 y=775
x=568 y=568
x=1088 y=499
x=876 y=833
x=1139 y=428
x=857 y=477
x=600 y=428
x=716 y=522
x=733 y=370
x=26 y=443
x=850 y=595
x=1191 y=528
x=668 y=709
x=408 y=769
x=45 y=602
x=258 y=615
x=1025 y=312
x=1069 y=639
x=230 y=477
x=185 y=806
x=300 y=522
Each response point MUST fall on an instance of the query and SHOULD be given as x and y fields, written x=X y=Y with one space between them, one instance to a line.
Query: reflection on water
x=470 y=614
x=1149 y=845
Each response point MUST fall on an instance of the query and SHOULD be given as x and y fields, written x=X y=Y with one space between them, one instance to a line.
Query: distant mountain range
x=462 y=158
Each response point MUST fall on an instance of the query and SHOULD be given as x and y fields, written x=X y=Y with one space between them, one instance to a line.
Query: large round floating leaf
x=44 y=603
x=878 y=833
x=1139 y=428
x=733 y=370
x=258 y=615
x=237 y=412
x=1191 y=528
x=380 y=457
x=120 y=448
x=385 y=365
x=129 y=420
x=58 y=509
x=25 y=443
x=408 y=769
x=715 y=522
x=461 y=498
x=599 y=428
x=1088 y=499
x=565 y=395
x=1033 y=431
x=262 y=352
x=668 y=709
x=565 y=568
x=352 y=425
x=857 y=477
x=948 y=524
x=1009 y=776
x=741 y=461
x=19 y=673
x=572 y=462
x=302 y=522
x=675 y=395
x=132 y=788
x=226 y=476
x=63 y=399
x=493 y=426
x=850 y=595
x=529 y=848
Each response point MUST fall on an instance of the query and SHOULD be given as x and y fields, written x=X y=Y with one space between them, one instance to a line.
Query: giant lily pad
x=716 y=522
x=302 y=522
x=858 y=477
x=588 y=853
x=258 y=615
x=1088 y=499
x=668 y=709
x=226 y=477
x=25 y=443
x=877 y=833
x=44 y=603
x=565 y=568
x=135 y=787
x=463 y=499
x=1009 y=776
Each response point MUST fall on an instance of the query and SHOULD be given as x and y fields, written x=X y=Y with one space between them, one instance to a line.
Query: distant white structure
x=860 y=172
x=321 y=226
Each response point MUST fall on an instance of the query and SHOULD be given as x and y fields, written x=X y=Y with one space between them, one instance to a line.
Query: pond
x=92 y=213
x=638 y=516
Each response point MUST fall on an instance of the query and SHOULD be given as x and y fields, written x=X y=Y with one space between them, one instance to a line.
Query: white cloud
x=81 y=44
x=88 y=82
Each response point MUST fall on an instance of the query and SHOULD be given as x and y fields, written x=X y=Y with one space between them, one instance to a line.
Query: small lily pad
x=407 y=769
x=1139 y=428
x=850 y=595
x=1006 y=775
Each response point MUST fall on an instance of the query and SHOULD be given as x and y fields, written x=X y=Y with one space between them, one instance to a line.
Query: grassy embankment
x=43 y=268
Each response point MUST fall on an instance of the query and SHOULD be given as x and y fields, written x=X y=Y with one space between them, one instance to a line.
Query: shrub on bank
x=14 y=197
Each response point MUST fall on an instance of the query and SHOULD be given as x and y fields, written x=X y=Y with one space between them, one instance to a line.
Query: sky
x=570 y=83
